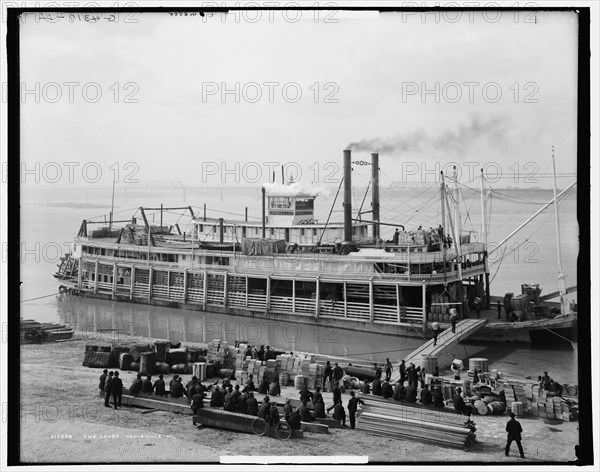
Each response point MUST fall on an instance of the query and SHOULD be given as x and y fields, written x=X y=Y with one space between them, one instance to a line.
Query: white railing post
x=398 y=302
x=205 y=290
x=150 y=278
x=168 y=284
x=293 y=295
x=132 y=288
x=371 y=301
x=345 y=301
x=185 y=284
x=318 y=287
x=268 y=300
x=225 y=290
x=246 y=290
x=424 y=304
x=96 y=277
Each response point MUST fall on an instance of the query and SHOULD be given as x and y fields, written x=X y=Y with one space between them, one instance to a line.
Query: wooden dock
x=446 y=338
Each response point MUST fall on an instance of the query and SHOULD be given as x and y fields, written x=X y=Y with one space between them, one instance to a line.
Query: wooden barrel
x=147 y=363
x=125 y=360
x=298 y=382
x=431 y=363
x=496 y=408
x=284 y=379
x=134 y=366
x=572 y=390
x=517 y=408
x=479 y=363
x=481 y=407
x=199 y=370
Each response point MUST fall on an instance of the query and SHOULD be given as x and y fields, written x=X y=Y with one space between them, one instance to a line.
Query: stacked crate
x=315 y=375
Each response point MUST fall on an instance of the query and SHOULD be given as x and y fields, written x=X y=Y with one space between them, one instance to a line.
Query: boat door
x=287 y=235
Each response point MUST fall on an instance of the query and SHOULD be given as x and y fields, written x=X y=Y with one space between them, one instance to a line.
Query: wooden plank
x=314 y=427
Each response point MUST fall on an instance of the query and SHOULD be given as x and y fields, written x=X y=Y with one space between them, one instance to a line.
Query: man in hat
x=159 y=386
x=352 y=407
x=147 y=385
x=251 y=405
x=116 y=388
x=437 y=397
x=103 y=380
x=388 y=369
x=136 y=385
x=338 y=373
x=107 y=390
x=514 y=430
x=460 y=405
x=328 y=376
x=265 y=408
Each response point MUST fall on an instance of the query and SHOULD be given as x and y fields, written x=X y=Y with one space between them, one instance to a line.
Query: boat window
x=280 y=202
x=314 y=231
x=302 y=231
x=201 y=228
x=272 y=231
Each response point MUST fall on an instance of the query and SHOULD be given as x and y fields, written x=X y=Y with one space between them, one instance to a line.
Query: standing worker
x=103 y=380
x=352 y=407
x=514 y=430
x=107 y=389
x=388 y=369
x=328 y=376
x=116 y=388
x=499 y=308
x=453 y=320
x=436 y=330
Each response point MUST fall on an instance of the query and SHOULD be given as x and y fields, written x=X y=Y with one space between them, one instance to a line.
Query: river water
x=51 y=217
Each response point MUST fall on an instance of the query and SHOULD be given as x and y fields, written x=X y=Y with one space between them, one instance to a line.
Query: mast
x=483 y=238
x=564 y=308
x=457 y=218
x=375 y=195
x=442 y=201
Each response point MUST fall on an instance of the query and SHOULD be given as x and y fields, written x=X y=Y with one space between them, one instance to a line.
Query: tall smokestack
x=347 y=195
x=375 y=197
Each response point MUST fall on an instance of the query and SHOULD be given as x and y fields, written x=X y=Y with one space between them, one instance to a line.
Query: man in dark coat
x=175 y=377
x=411 y=392
x=376 y=387
x=546 y=381
x=338 y=373
x=263 y=411
x=320 y=410
x=352 y=407
x=436 y=331
x=388 y=369
x=366 y=388
x=399 y=391
x=294 y=420
x=242 y=404
x=116 y=388
x=177 y=389
x=249 y=387
x=229 y=403
x=437 y=397
x=426 y=397
x=159 y=386
x=216 y=399
x=317 y=397
x=261 y=353
x=275 y=388
x=263 y=386
x=386 y=390
x=328 y=376
x=305 y=394
x=305 y=414
x=339 y=413
x=273 y=415
x=337 y=394
x=107 y=389
x=251 y=405
x=287 y=409
x=402 y=369
x=514 y=430
x=147 y=385
x=377 y=371
x=103 y=380
x=197 y=402
x=136 y=385
x=460 y=405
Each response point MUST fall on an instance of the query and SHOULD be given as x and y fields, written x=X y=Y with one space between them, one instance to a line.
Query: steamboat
x=290 y=267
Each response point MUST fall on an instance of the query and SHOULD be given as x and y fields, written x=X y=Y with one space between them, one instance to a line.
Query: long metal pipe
x=375 y=195
x=347 y=195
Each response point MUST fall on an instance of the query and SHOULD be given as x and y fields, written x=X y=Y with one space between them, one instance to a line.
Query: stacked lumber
x=401 y=421
x=33 y=332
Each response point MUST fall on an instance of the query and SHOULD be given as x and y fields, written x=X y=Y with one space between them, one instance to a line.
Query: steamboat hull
x=560 y=330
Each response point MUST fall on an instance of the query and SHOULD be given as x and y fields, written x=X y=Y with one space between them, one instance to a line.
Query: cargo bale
x=125 y=360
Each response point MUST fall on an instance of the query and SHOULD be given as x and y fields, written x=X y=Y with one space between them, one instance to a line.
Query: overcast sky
x=365 y=71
